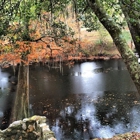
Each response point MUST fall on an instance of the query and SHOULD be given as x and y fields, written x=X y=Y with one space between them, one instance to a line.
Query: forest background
x=46 y=35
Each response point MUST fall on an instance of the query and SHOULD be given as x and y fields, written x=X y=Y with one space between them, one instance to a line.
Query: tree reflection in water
x=81 y=116
x=91 y=99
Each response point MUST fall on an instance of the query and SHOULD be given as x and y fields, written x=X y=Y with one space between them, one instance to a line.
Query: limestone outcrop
x=33 y=128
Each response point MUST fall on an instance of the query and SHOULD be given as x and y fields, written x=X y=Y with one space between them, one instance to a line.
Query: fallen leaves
x=126 y=136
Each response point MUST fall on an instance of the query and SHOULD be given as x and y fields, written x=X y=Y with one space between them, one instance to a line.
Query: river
x=88 y=100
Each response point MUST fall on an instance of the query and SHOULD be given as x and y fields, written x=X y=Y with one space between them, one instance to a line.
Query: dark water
x=91 y=99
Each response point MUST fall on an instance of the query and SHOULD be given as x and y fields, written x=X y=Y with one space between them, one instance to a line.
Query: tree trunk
x=21 y=106
x=127 y=55
x=133 y=25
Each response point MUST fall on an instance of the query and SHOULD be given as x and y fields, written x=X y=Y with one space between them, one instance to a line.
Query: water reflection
x=82 y=116
x=7 y=94
x=84 y=103
x=3 y=80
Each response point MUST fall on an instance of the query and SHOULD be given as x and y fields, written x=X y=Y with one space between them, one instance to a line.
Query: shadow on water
x=91 y=99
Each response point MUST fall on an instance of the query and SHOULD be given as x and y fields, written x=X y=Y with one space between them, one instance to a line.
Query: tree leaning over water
x=96 y=10
x=110 y=13
x=116 y=33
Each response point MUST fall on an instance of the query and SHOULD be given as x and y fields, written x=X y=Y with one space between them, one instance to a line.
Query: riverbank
x=98 y=57
x=70 y=59
x=126 y=136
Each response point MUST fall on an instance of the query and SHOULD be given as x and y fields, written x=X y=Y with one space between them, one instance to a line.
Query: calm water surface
x=91 y=99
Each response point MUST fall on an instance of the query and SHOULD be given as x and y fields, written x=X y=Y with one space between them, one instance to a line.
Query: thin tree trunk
x=21 y=106
x=116 y=34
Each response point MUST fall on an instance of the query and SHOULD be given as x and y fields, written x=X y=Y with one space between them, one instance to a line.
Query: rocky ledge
x=33 y=128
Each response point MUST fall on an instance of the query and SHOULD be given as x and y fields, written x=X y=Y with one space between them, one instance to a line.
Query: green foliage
x=7 y=14
x=7 y=49
x=60 y=29
x=138 y=38
x=90 y=21
x=26 y=10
